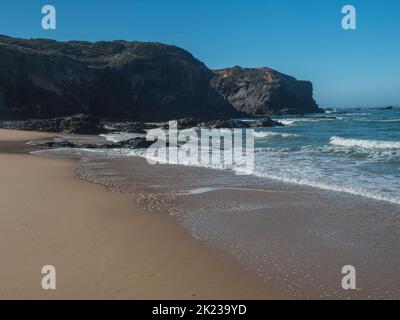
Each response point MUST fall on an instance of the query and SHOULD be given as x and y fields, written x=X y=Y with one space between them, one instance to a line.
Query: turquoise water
x=357 y=151
x=296 y=239
x=348 y=150
x=354 y=150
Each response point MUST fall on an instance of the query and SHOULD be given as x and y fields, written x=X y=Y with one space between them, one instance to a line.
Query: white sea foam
x=292 y=121
x=121 y=136
x=352 y=189
x=356 y=114
x=272 y=168
x=366 y=144
x=286 y=122
x=379 y=120
x=211 y=189
x=389 y=120
x=268 y=134
x=307 y=176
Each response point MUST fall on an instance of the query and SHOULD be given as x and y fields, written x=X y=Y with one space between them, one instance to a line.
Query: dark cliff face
x=135 y=80
x=119 y=79
x=264 y=91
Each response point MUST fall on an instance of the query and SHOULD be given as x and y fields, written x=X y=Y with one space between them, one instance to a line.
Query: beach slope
x=102 y=244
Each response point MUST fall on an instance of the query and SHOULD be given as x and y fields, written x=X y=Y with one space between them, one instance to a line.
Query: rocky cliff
x=119 y=79
x=264 y=91
x=42 y=78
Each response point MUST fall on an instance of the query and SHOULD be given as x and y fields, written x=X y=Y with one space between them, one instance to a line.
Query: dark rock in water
x=227 y=124
x=137 y=143
x=76 y=124
x=81 y=124
x=185 y=123
x=142 y=127
x=189 y=123
x=266 y=122
x=264 y=91
x=58 y=144
x=130 y=127
x=325 y=118
x=388 y=108
x=287 y=111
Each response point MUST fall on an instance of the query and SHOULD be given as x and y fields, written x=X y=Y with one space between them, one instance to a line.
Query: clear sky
x=301 y=38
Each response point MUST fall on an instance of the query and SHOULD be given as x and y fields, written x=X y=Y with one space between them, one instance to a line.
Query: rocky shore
x=83 y=124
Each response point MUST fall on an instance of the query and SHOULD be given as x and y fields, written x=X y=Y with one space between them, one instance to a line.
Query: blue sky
x=301 y=38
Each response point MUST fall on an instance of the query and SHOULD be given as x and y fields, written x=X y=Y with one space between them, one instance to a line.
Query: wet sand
x=297 y=239
x=293 y=238
x=102 y=244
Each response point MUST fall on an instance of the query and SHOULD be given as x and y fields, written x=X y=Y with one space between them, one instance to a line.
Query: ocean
x=357 y=151
x=354 y=150
x=325 y=193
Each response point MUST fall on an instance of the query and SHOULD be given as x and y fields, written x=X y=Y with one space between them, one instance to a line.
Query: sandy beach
x=152 y=151
x=116 y=227
x=102 y=244
x=294 y=237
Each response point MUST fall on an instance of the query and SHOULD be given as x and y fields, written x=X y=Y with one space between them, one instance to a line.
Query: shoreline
x=103 y=245
x=296 y=238
x=286 y=241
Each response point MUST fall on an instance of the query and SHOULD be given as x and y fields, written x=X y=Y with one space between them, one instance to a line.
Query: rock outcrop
x=141 y=142
x=84 y=124
x=188 y=123
x=76 y=124
x=137 y=81
x=136 y=143
x=116 y=80
x=264 y=91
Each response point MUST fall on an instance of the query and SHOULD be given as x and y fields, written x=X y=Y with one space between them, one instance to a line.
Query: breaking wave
x=365 y=144
x=268 y=134
x=121 y=136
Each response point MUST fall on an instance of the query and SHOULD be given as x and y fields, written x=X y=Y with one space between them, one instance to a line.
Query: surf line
x=205 y=190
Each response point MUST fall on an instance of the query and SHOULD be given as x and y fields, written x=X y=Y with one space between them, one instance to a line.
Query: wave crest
x=268 y=134
x=365 y=144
